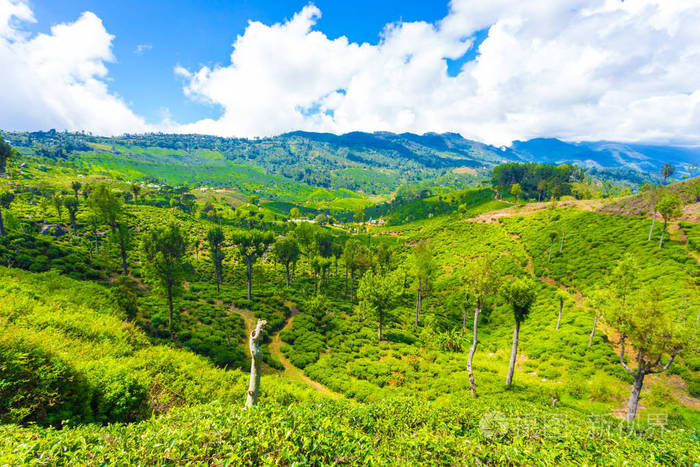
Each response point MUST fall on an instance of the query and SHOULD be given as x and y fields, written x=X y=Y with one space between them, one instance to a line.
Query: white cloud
x=141 y=48
x=575 y=69
x=593 y=69
x=58 y=80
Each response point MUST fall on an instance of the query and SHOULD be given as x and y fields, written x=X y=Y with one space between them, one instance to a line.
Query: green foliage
x=669 y=207
x=68 y=357
x=79 y=352
x=378 y=294
x=382 y=433
x=6 y=153
x=215 y=238
x=163 y=251
x=106 y=205
x=543 y=180
x=520 y=294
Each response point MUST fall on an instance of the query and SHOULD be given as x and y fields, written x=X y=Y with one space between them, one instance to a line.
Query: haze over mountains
x=433 y=150
x=452 y=148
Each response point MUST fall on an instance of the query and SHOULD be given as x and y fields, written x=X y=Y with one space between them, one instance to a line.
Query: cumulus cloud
x=576 y=69
x=58 y=80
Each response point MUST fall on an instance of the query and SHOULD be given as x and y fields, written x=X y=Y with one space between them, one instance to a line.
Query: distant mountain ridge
x=451 y=149
x=376 y=162
x=606 y=154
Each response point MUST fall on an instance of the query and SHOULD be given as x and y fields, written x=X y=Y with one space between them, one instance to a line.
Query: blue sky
x=492 y=70
x=196 y=33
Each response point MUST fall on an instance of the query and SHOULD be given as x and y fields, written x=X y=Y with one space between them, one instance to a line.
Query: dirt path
x=290 y=371
x=676 y=386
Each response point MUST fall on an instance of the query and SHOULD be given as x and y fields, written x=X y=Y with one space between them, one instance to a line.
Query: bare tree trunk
x=352 y=279
x=315 y=283
x=379 y=327
x=250 y=279
x=595 y=321
x=287 y=269
x=661 y=242
x=170 y=315
x=419 y=300
x=2 y=226
x=125 y=269
x=117 y=230
x=549 y=259
x=255 y=364
x=513 y=354
x=561 y=244
x=653 y=219
x=472 y=349
x=554 y=398
x=346 y=281
x=561 y=306
x=634 y=397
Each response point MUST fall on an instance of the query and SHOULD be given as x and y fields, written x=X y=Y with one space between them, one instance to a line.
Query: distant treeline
x=539 y=181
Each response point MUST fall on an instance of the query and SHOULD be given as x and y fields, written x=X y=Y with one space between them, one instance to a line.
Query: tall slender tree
x=378 y=294
x=305 y=234
x=163 y=250
x=597 y=300
x=552 y=237
x=58 y=204
x=483 y=279
x=72 y=205
x=667 y=170
x=521 y=294
x=105 y=204
x=251 y=245
x=654 y=197
x=286 y=250
x=669 y=207
x=561 y=297
x=319 y=265
x=136 y=190
x=6 y=198
x=384 y=255
x=656 y=330
x=6 y=153
x=350 y=253
x=423 y=270
x=215 y=239
x=76 y=186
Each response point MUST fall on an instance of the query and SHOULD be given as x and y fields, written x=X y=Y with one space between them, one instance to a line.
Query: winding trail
x=275 y=347
x=290 y=371
x=677 y=386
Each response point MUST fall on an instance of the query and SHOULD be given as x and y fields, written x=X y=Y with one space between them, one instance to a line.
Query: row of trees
x=381 y=286
x=379 y=292
x=536 y=180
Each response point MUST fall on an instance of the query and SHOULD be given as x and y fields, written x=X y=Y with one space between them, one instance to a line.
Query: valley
x=134 y=269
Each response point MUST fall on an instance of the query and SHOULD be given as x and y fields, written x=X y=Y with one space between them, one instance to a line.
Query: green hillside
x=127 y=305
